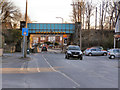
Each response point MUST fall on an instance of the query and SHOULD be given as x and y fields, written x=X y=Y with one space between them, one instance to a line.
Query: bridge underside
x=52 y=38
x=42 y=32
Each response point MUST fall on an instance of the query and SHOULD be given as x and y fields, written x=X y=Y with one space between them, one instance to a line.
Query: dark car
x=44 y=48
x=73 y=51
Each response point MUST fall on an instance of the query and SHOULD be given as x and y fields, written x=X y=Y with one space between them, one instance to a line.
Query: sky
x=46 y=11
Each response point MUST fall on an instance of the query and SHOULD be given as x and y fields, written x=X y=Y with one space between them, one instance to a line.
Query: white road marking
x=22 y=67
x=60 y=72
x=38 y=69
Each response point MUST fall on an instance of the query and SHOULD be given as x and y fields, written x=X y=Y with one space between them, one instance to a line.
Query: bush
x=12 y=36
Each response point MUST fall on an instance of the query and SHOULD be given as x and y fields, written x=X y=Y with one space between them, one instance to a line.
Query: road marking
x=22 y=67
x=38 y=69
x=61 y=72
x=28 y=69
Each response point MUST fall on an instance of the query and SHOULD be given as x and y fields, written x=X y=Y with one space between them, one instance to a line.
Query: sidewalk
x=14 y=58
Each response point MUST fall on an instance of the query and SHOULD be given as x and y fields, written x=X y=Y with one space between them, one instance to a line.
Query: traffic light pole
x=24 y=46
x=25 y=50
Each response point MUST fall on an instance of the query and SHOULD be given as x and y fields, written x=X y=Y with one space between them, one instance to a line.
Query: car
x=51 y=46
x=95 y=51
x=98 y=47
x=44 y=48
x=73 y=51
x=85 y=50
x=114 y=53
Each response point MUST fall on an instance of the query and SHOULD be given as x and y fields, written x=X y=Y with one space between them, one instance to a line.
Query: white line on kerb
x=60 y=72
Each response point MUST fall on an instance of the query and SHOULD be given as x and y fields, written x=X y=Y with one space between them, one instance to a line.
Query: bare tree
x=89 y=13
x=108 y=14
x=10 y=12
x=78 y=14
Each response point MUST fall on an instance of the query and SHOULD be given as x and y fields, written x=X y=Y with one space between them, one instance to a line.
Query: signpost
x=24 y=34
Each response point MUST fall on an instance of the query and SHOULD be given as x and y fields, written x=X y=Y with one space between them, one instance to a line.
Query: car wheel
x=81 y=57
x=68 y=57
x=65 y=56
x=104 y=54
x=112 y=57
x=90 y=54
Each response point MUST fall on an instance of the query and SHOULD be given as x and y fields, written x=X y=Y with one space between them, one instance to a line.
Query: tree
x=80 y=10
x=10 y=12
x=13 y=37
x=89 y=7
x=108 y=14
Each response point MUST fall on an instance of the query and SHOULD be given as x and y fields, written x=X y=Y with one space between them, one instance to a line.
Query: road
x=51 y=70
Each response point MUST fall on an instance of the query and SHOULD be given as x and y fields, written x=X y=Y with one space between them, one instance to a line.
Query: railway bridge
x=50 y=32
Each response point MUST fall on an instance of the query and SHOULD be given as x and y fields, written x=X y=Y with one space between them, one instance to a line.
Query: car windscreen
x=73 y=48
x=116 y=51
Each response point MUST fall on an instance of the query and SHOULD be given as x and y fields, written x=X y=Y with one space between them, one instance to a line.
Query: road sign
x=25 y=31
x=65 y=36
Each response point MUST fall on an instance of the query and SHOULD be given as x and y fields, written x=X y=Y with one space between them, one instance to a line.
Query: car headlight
x=80 y=53
x=69 y=52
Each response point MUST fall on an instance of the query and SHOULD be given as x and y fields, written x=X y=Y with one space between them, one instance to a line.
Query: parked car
x=114 y=53
x=98 y=47
x=44 y=48
x=86 y=50
x=73 y=51
x=51 y=46
x=95 y=51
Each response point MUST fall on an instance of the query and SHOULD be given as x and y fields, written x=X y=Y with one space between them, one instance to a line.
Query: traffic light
x=22 y=24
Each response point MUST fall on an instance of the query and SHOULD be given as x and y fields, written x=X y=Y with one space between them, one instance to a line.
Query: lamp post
x=79 y=28
x=117 y=29
x=61 y=19
x=62 y=35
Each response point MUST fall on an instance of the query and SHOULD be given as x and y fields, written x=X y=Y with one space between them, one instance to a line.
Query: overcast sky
x=46 y=11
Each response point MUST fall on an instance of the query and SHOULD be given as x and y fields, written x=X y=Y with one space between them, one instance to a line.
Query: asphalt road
x=51 y=70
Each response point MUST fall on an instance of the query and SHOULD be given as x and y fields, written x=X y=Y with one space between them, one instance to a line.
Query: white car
x=114 y=53
x=95 y=51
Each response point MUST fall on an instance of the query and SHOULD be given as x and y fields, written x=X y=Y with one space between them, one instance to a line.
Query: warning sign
x=65 y=36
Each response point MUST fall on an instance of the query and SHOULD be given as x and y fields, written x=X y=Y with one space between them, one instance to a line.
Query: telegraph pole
x=25 y=37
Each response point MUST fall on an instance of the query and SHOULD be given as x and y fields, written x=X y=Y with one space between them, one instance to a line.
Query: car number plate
x=75 y=55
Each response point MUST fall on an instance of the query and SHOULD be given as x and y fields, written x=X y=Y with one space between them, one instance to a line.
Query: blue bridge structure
x=51 y=28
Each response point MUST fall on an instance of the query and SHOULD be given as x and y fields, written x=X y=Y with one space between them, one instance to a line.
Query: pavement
x=52 y=70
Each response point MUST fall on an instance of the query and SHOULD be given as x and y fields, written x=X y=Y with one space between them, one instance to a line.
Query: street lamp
x=117 y=29
x=61 y=18
x=62 y=36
